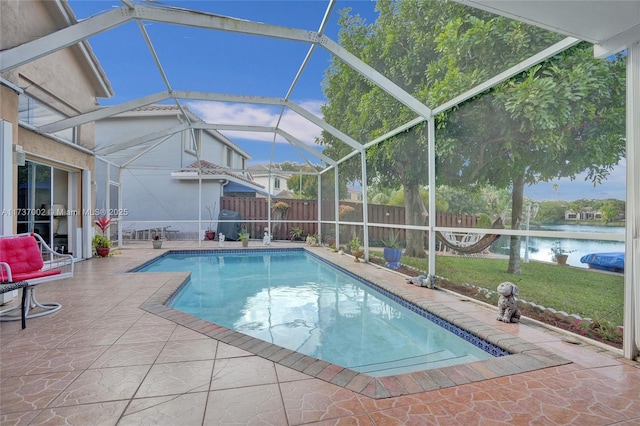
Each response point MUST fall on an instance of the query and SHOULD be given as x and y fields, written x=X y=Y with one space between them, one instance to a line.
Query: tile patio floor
x=104 y=360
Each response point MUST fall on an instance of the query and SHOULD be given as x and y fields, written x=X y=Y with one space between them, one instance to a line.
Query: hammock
x=469 y=243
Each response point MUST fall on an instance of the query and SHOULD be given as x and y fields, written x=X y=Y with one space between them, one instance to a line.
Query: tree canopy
x=558 y=119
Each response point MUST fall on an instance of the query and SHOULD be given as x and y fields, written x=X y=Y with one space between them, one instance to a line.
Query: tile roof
x=209 y=168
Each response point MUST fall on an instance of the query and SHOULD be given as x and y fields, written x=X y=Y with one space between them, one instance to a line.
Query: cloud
x=260 y=115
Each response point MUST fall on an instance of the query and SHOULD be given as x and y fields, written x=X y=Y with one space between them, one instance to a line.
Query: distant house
x=47 y=177
x=274 y=180
x=161 y=188
x=586 y=213
x=354 y=195
x=589 y=214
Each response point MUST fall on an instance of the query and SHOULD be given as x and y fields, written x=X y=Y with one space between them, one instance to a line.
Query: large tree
x=521 y=132
x=403 y=44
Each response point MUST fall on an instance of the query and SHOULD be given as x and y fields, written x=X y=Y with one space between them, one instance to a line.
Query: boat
x=612 y=261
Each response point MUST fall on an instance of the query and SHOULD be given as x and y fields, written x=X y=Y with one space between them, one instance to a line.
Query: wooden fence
x=304 y=214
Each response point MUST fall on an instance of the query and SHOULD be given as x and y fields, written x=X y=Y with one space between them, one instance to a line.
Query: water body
x=540 y=248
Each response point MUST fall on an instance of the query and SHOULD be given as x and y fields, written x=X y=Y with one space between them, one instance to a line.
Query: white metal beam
x=99 y=114
x=631 y=318
x=235 y=127
x=223 y=23
x=27 y=52
x=306 y=147
x=226 y=97
x=142 y=139
x=383 y=82
x=143 y=153
x=325 y=126
x=395 y=131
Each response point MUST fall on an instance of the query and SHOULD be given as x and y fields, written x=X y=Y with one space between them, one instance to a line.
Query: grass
x=584 y=292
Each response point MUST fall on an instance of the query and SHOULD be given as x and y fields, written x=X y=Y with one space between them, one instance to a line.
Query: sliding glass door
x=34 y=200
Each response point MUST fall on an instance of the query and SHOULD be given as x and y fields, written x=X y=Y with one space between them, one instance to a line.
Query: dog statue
x=507 y=305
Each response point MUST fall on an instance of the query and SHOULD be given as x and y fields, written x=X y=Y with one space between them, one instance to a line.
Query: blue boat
x=612 y=262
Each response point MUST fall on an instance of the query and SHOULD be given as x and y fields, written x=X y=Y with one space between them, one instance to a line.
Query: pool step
x=438 y=359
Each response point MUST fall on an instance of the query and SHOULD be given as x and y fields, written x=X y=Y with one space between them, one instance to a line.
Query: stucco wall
x=61 y=79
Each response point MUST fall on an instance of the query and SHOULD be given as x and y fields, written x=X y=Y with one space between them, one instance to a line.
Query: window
x=229 y=158
x=191 y=140
x=36 y=114
x=276 y=183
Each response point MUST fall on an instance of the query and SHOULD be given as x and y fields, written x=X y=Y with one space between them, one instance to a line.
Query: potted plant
x=100 y=242
x=559 y=254
x=392 y=251
x=295 y=234
x=156 y=241
x=244 y=237
x=210 y=234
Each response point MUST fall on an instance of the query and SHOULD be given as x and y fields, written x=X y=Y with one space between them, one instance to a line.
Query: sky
x=224 y=62
x=221 y=62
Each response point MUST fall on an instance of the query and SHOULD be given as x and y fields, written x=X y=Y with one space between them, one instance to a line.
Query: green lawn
x=584 y=292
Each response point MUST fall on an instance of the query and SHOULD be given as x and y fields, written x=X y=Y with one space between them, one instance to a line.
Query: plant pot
x=561 y=259
x=245 y=242
x=392 y=257
x=102 y=251
x=156 y=244
x=209 y=235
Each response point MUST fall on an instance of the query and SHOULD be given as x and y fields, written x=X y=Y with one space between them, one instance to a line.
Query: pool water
x=298 y=301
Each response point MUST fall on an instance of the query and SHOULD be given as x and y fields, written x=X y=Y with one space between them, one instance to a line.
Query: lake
x=540 y=248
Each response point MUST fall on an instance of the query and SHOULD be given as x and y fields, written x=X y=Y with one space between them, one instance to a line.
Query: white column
x=431 y=135
x=7 y=186
x=87 y=217
x=631 y=333
x=319 y=206
x=6 y=174
x=365 y=204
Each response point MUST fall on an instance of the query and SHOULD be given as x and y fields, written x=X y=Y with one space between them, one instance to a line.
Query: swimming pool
x=298 y=301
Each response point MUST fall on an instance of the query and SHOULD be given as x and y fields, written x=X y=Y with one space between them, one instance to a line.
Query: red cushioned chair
x=26 y=257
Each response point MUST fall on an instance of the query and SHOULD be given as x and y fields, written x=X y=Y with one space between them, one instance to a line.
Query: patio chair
x=26 y=257
x=8 y=287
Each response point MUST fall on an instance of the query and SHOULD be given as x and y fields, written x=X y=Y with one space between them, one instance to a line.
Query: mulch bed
x=593 y=332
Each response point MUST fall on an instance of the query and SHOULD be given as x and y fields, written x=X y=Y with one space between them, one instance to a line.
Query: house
x=354 y=194
x=586 y=213
x=274 y=179
x=162 y=175
x=47 y=178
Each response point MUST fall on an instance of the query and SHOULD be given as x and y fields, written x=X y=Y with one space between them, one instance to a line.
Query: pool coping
x=525 y=356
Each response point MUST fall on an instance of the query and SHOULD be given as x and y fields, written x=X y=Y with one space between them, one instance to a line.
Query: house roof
x=263 y=170
x=213 y=171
